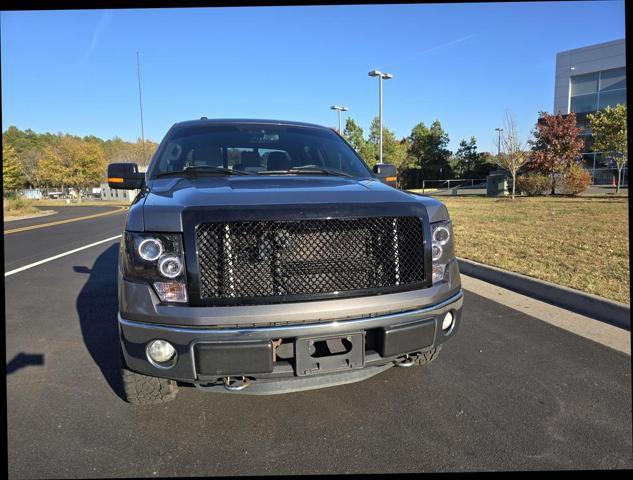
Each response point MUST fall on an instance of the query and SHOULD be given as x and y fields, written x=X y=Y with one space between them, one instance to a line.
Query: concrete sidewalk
x=597 y=331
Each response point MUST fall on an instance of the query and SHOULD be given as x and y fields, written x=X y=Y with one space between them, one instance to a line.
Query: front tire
x=139 y=389
x=429 y=356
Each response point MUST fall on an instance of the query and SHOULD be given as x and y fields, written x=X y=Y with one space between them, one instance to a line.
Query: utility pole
x=140 y=101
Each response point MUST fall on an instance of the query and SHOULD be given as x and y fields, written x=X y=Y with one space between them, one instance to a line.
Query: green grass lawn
x=582 y=243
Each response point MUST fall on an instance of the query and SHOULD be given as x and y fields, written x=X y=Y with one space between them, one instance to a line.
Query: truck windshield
x=257 y=149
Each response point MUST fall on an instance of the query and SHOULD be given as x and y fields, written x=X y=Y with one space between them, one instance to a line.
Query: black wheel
x=429 y=356
x=139 y=389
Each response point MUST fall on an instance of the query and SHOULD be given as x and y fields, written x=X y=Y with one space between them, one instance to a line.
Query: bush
x=14 y=206
x=534 y=184
x=574 y=181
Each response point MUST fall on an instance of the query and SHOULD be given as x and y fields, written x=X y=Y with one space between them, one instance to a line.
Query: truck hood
x=162 y=206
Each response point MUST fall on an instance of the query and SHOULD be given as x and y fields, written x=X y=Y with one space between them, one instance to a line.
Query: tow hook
x=408 y=361
x=235 y=384
x=276 y=344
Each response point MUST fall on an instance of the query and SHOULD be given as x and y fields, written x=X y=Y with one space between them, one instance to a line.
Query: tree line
x=46 y=160
x=550 y=158
x=554 y=151
x=423 y=154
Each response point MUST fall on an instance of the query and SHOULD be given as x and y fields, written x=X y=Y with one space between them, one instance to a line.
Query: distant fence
x=452 y=183
x=608 y=176
x=599 y=176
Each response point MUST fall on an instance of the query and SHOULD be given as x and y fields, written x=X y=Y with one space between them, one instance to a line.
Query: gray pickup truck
x=265 y=257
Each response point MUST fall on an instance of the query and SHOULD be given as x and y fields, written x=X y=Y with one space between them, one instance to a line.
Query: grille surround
x=278 y=261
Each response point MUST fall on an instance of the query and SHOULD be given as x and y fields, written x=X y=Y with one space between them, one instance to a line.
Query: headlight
x=157 y=258
x=436 y=252
x=441 y=235
x=170 y=267
x=150 y=249
x=441 y=249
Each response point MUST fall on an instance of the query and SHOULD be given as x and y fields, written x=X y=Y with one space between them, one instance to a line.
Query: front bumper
x=135 y=335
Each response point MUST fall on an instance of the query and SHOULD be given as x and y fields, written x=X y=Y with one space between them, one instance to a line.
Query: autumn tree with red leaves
x=557 y=145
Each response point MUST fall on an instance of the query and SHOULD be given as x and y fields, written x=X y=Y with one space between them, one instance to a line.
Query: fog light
x=447 y=323
x=171 y=291
x=160 y=351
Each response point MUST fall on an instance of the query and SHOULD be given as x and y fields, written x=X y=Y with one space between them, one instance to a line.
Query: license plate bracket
x=329 y=353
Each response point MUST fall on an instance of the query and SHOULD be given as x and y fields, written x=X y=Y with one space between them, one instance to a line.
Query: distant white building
x=32 y=193
x=108 y=193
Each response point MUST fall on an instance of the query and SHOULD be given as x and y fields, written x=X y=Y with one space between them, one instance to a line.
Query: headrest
x=207 y=154
x=250 y=159
x=278 y=161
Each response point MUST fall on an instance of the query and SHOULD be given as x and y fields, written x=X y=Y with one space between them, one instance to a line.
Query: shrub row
x=533 y=184
x=574 y=181
x=14 y=205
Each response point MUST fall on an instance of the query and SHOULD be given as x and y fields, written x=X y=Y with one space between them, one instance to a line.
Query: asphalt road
x=509 y=392
x=25 y=247
x=61 y=213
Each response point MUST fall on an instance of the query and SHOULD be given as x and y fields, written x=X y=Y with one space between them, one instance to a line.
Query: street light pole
x=140 y=100
x=499 y=141
x=386 y=76
x=380 y=113
x=339 y=109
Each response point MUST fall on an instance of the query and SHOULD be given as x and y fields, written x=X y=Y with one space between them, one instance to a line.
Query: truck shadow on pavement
x=97 y=308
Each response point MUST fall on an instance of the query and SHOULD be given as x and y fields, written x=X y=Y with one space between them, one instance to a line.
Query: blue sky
x=464 y=64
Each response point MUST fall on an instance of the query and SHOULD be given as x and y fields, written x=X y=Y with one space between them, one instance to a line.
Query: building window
x=584 y=103
x=613 y=79
x=595 y=91
x=611 y=99
x=584 y=84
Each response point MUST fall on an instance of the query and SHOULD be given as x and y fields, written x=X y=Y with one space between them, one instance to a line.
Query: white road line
x=26 y=267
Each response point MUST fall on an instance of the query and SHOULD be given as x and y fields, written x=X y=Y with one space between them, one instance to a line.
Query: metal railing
x=608 y=176
x=453 y=183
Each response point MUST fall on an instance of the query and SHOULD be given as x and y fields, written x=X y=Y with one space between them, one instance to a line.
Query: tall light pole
x=381 y=76
x=140 y=101
x=499 y=141
x=340 y=109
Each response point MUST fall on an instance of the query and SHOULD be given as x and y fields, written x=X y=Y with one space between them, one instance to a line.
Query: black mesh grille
x=241 y=260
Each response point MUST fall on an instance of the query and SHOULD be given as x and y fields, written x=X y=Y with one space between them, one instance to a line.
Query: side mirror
x=387 y=173
x=125 y=176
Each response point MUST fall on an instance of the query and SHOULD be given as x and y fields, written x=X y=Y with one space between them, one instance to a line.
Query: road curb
x=42 y=213
x=593 y=306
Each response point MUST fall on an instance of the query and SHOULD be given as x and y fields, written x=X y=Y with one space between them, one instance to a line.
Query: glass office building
x=589 y=79
x=597 y=90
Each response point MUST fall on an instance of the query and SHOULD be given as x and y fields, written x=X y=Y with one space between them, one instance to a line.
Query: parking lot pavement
x=509 y=392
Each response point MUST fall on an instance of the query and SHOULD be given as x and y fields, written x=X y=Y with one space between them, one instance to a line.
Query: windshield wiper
x=195 y=169
x=308 y=169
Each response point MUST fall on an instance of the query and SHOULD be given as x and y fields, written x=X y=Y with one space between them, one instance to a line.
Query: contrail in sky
x=447 y=44
x=104 y=21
